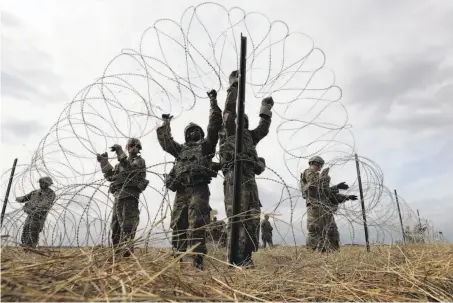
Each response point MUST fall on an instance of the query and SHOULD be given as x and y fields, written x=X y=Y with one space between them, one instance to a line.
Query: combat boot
x=128 y=251
x=198 y=262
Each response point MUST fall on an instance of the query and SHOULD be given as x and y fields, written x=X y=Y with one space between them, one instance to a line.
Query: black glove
x=116 y=148
x=342 y=185
x=268 y=101
x=167 y=117
x=352 y=197
x=101 y=157
x=212 y=94
x=234 y=78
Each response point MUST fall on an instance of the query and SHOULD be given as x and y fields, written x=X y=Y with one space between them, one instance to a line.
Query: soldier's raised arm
x=136 y=165
x=165 y=138
x=214 y=125
x=312 y=179
x=25 y=198
x=262 y=129
x=106 y=167
x=229 y=112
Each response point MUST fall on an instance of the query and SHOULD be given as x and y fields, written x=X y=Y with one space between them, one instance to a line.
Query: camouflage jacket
x=315 y=187
x=128 y=177
x=193 y=160
x=266 y=227
x=251 y=137
x=38 y=202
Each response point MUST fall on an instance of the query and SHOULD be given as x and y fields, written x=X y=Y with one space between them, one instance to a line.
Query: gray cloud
x=401 y=84
x=13 y=86
x=27 y=71
x=13 y=130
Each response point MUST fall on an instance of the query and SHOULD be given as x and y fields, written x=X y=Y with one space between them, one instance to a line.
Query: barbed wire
x=175 y=65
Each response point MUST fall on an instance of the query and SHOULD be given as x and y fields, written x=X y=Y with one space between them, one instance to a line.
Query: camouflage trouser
x=125 y=219
x=267 y=239
x=323 y=232
x=191 y=212
x=32 y=227
x=249 y=215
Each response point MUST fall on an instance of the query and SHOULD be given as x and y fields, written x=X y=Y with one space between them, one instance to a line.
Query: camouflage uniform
x=128 y=181
x=322 y=203
x=249 y=212
x=266 y=232
x=39 y=203
x=190 y=178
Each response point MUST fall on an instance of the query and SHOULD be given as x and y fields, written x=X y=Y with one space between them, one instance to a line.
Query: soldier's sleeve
x=261 y=130
x=312 y=178
x=338 y=198
x=25 y=198
x=109 y=174
x=229 y=112
x=166 y=140
x=214 y=126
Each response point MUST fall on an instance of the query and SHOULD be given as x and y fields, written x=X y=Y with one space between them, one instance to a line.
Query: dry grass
x=411 y=273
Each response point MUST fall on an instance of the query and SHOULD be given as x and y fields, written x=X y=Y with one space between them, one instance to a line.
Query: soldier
x=38 y=204
x=252 y=165
x=266 y=231
x=322 y=202
x=190 y=178
x=128 y=181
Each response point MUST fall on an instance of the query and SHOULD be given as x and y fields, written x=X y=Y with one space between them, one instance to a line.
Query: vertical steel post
x=365 y=226
x=237 y=183
x=13 y=169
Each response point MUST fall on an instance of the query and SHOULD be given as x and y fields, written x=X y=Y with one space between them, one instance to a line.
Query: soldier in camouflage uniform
x=249 y=213
x=266 y=232
x=190 y=178
x=38 y=204
x=128 y=181
x=322 y=203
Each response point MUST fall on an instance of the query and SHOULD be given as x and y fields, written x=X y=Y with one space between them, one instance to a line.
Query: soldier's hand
x=268 y=102
x=116 y=148
x=325 y=171
x=167 y=117
x=352 y=197
x=234 y=77
x=343 y=186
x=212 y=95
x=101 y=157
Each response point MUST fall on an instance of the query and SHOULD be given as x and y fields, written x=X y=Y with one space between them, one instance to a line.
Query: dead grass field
x=409 y=273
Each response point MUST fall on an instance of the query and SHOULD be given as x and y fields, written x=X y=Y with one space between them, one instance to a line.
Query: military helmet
x=316 y=159
x=46 y=180
x=134 y=141
x=193 y=125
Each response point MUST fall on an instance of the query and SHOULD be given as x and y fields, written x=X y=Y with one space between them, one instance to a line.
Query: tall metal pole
x=7 y=191
x=419 y=221
x=365 y=226
x=237 y=182
x=401 y=219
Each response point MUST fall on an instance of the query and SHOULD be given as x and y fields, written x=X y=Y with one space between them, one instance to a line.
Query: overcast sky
x=393 y=62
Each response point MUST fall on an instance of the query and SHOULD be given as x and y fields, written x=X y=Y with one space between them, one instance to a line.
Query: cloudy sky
x=393 y=62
